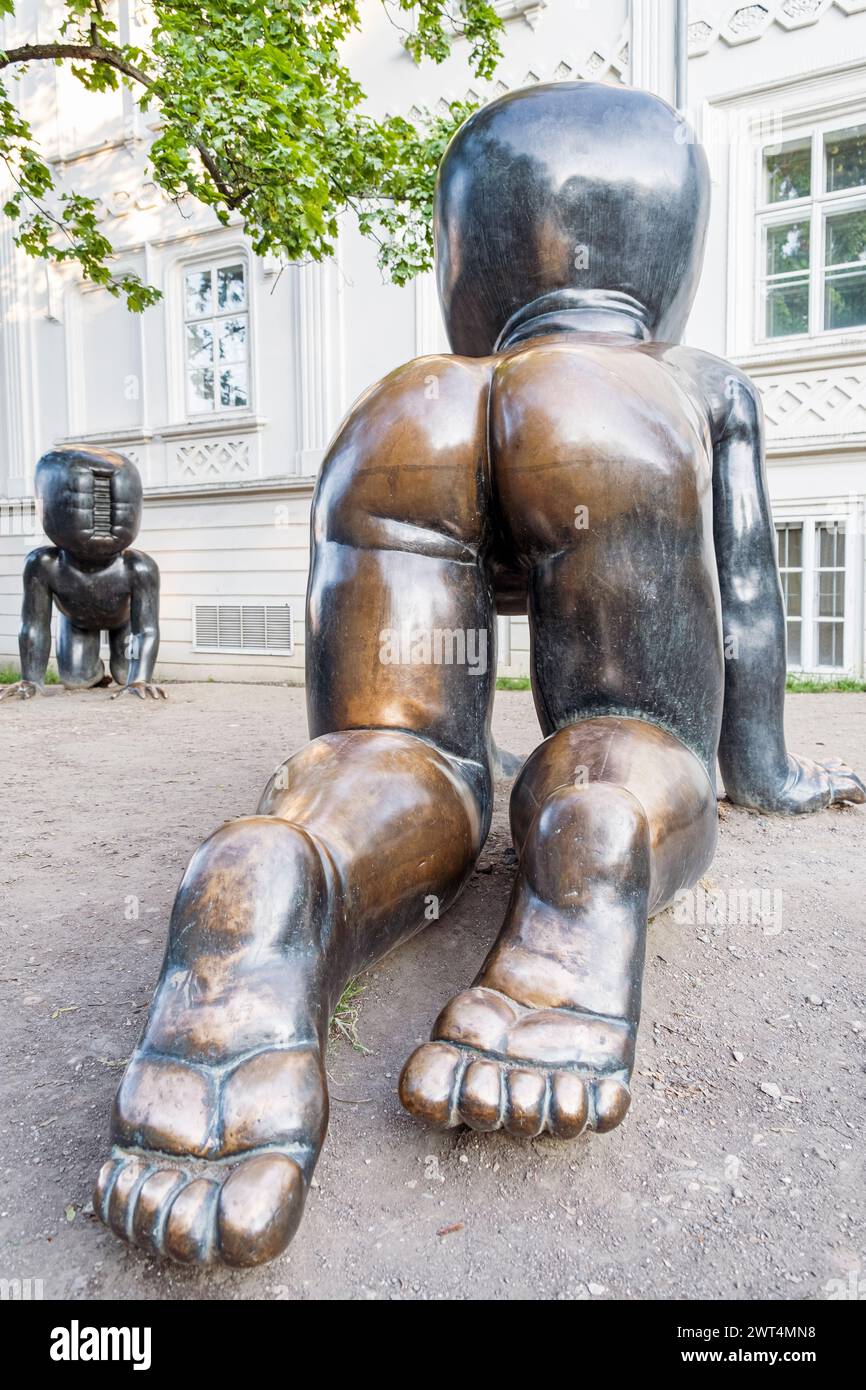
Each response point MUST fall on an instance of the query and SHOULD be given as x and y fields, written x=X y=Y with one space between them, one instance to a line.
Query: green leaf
x=259 y=116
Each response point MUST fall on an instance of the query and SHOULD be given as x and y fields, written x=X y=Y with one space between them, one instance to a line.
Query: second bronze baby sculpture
x=572 y=462
x=90 y=501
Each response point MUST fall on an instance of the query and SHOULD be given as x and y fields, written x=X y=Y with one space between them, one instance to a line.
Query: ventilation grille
x=101 y=504
x=242 y=627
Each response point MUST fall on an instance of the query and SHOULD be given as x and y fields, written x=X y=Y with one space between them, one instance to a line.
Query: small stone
x=771 y=1089
x=737 y=1056
x=597 y=1288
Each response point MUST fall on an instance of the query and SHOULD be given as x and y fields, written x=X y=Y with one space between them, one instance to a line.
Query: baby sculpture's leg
x=615 y=811
x=79 y=664
x=610 y=816
x=360 y=838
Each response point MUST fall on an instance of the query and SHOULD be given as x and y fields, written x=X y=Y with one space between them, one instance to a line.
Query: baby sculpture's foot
x=545 y=1039
x=222 y=1111
x=495 y=1063
x=211 y=1164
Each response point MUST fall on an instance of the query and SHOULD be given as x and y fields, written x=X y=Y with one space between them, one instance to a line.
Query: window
x=216 y=337
x=812 y=234
x=812 y=569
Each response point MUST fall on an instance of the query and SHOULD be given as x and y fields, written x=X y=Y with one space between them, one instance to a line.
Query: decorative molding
x=794 y=14
x=278 y=485
x=745 y=23
x=528 y=10
x=200 y=455
x=805 y=405
x=219 y=460
x=603 y=62
x=178 y=429
x=134 y=456
x=819 y=449
x=777 y=357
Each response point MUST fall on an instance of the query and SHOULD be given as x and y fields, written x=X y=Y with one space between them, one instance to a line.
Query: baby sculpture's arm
x=34 y=634
x=756 y=766
x=142 y=642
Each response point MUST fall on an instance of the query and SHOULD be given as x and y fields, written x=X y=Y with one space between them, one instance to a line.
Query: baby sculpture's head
x=91 y=501
x=575 y=195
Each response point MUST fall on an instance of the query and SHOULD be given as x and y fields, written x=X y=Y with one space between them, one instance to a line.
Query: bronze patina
x=570 y=461
x=91 y=509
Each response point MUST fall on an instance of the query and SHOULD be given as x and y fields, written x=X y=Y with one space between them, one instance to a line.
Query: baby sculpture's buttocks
x=90 y=502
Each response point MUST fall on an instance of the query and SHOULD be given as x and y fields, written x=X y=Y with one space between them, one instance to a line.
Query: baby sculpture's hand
x=813 y=785
x=22 y=690
x=142 y=689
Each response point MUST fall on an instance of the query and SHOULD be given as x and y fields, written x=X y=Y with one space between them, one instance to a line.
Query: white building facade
x=227 y=392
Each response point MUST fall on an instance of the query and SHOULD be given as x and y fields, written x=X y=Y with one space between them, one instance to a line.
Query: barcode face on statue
x=101 y=504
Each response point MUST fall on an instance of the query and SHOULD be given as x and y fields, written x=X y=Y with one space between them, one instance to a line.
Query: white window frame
x=791 y=525
x=815 y=210
x=213 y=262
x=735 y=127
x=810 y=521
x=830 y=620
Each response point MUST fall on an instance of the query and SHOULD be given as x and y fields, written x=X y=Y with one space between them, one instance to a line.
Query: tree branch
x=85 y=52
x=97 y=53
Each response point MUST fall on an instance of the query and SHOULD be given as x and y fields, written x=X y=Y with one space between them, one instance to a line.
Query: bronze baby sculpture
x=91 y=510
x=570 y=461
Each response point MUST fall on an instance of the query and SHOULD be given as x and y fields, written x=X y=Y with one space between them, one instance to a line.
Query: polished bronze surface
x=572 y=462
x=91 y=509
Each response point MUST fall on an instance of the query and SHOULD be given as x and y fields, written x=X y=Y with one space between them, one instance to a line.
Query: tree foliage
x=259 y=117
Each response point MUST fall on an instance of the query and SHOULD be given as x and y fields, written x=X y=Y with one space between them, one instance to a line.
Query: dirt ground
x=738 y=1172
